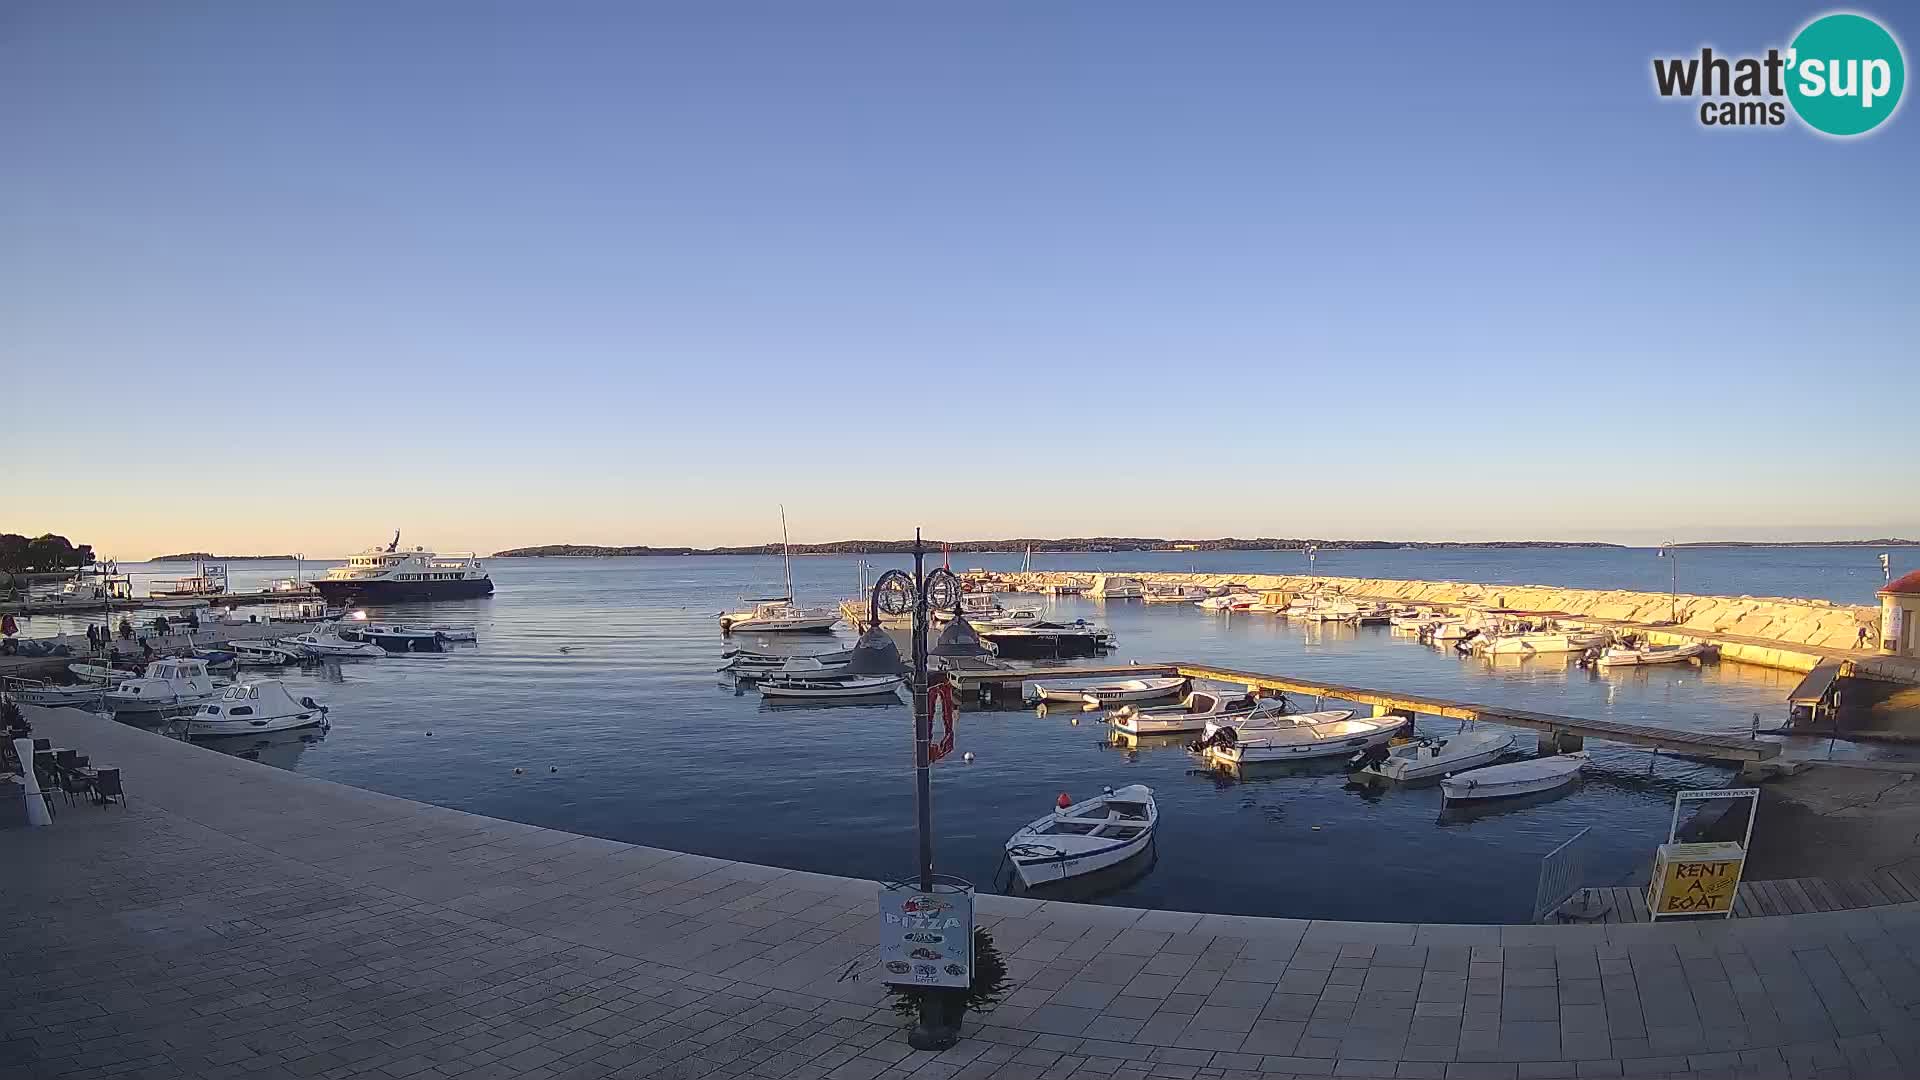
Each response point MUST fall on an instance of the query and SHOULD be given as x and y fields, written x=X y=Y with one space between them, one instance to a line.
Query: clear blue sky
x=288 y=276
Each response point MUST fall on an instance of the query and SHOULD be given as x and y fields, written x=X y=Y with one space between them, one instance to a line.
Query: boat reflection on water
x=1133 y=745
x=1085 y=888
x=280 y=749
x=887 y=699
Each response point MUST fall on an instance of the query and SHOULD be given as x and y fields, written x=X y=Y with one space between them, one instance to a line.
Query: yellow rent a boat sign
x=1696 y=879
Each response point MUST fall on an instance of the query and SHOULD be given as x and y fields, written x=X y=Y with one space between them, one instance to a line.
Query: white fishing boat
x=1307 y=736
x=1085 y=836
x=864 y=686
x=1514 y=778
x=797 y=667
x=1116 y=587
x=1449 y=630
x=1526 y=645
x=744 y=658
x=1651 y=654
x=1433 y=757
x=1274 y=716
x=1110 y=693
x=1018 y=617
x=98 y=673
x=265 y=653
x=39 y=692
x=170 y=685
x=1174 y=594
x=1192 y=714
x=977 y=607
x=388 y=636
x=1323 y=609
x=251 y=709
x=326 y=642
x=1228 y=601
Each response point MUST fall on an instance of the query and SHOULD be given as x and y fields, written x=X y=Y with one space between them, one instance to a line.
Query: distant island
x=201 y=556
x=1097 y=544
x=1892 y=542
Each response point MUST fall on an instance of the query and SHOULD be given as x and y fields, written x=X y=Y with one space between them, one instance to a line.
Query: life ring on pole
x=941 y=693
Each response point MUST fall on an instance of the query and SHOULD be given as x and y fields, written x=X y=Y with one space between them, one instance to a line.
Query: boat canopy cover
x=876 y=654
x=960 y=639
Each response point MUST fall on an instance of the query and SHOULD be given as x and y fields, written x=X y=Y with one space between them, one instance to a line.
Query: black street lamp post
x=922 y=592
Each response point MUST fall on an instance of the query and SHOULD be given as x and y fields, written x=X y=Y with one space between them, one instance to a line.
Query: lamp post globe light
x=920 y=593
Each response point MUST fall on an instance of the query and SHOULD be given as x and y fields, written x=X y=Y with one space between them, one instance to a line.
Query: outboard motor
x=1372 y=755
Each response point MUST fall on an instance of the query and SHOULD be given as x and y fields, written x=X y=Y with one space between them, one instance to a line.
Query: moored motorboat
x=1619 y=656
x=1227 y=601
x=171 y=685
x=1116 y=587
x=1174 y=594
x=1436 y=756
x=1200 y=708
x=1043 y=639
x=265 y=653
x=863 y=686
x=1514 y=778
x=326 y=642
x=797 y=667
x=1332 y=733
x=98 y=673
x=1111 y=693
x=394 y=638
x=38 y=692
x=1526 y=645
x=1086 y=836
x=253 y=708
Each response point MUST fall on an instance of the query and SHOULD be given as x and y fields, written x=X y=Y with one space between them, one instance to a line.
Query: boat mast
x=786 y=551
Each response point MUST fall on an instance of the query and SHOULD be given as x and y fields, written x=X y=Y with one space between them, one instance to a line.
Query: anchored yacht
x=384 y=574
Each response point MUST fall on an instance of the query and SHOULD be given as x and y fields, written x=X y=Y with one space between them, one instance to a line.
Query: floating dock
x=122 y=605
x=1566 y=731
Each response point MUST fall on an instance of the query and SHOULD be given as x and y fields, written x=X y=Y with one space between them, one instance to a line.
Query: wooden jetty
x=1777 y=896
x=122 y=605
x=1566 y=731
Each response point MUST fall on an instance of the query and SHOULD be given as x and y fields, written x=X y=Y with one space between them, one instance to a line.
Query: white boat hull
x=1531 y=644
x=1042 y=855
x=1638 y=657
x=1111 y=693
x=1519 y=778
x=1307 y=742
x=800 y=688
x=243 y=726
x=1422 y=765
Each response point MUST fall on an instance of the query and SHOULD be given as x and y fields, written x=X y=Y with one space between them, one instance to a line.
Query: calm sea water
x=596 y=678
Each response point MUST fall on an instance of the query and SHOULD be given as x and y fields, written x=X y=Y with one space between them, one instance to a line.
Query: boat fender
x=1065 y=800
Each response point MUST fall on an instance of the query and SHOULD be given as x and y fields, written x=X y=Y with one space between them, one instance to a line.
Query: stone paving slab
x=236 y=920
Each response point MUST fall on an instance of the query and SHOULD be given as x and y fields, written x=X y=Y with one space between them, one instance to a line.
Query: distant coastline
x=1074 y=545
x=201 y=556
x=1891 y=542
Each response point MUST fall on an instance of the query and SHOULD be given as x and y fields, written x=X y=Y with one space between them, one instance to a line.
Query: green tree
x=41 y=554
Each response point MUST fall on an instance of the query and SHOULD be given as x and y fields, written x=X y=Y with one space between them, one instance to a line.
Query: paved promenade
x=240 y=921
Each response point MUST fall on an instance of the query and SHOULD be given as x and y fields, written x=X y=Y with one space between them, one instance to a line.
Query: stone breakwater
x=1806 y=629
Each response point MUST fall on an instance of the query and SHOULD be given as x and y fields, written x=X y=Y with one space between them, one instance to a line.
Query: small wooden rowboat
x=1112 y=693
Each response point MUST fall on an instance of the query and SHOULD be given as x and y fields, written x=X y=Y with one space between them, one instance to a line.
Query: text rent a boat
x=1084 y=837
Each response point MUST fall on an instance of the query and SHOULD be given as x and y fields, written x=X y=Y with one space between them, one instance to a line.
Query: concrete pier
x=235 y=920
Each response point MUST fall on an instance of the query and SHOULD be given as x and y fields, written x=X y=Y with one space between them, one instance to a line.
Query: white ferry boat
x=386 y=574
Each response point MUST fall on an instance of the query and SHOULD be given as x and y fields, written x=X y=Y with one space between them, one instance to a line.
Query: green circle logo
x=1845 y=74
